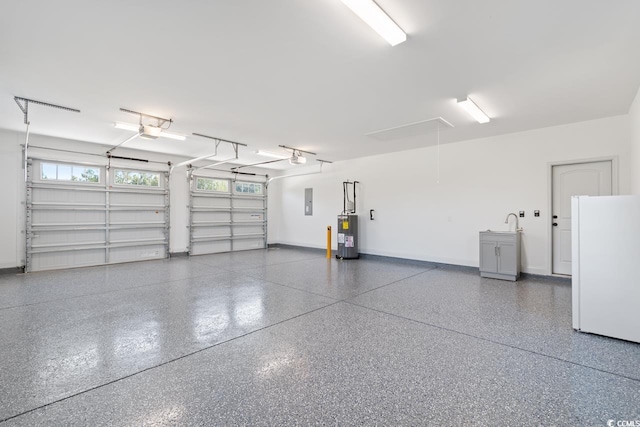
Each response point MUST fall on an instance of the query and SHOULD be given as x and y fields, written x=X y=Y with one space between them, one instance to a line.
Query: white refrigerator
x=605 y=247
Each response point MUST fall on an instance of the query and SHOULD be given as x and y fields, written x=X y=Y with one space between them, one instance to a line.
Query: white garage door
x=226 y=215
x=81 y=215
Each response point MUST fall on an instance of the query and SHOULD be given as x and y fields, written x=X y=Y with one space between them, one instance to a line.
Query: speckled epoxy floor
x=284 y=336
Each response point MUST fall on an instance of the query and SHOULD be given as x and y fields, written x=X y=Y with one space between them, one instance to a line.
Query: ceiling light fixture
x=172 y=135
x=149 y=131
x=146 y=130
x=474 y=110
x=377 y=19
x=268 y=154
x=127 y=126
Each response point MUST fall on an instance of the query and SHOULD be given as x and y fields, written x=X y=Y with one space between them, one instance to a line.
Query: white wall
x=12 y=215
x=416 y=217
x=10 y=173
x=480 y=182
x=634 y=122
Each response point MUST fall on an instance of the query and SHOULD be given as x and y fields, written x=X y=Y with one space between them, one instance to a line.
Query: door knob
x=555 y=217
x=555 y=224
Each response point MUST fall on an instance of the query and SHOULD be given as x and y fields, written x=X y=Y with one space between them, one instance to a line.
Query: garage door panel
x=64 y=259
x=67 y=236
x=248 y=216
x=241 y=202
x=199 y=232
x=247 y=244
x=131 y=234
x=222 y=220
x=79 y=216
x=136 y=253
x=137 y=199
x=211 y=202
x=239 y=230
x=132 y=216
x=211 y=247
x=69 y=217
x=209 y=217
x=68 y=196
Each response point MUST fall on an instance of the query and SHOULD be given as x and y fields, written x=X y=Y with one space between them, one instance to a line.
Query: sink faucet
x=506 y=221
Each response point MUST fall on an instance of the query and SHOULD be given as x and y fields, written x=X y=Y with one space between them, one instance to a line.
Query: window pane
x=146 y=179
x=76 y=174
x=151 y=180
x=133 y=178
x=212 y=184
x=82 y=174
x=49 y=171
x=92 y=175
x=120 y=177
x=64 y=172
x=202 y=184
x=248 y=187
x=53 y=171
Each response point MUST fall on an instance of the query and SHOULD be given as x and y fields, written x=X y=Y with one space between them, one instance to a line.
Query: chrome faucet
x=506 y=221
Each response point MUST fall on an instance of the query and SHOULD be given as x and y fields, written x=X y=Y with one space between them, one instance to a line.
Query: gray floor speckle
x=284 y=336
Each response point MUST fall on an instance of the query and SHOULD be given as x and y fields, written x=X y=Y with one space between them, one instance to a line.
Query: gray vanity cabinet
x=500 y=255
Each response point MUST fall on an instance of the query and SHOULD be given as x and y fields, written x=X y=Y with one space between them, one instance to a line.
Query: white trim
x=614 y=191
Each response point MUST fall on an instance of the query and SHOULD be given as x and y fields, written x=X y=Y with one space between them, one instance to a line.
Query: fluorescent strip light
x=474 y=110
x=167 y=134
x=127 y=126
x=272 y=155
x=136 y=128
x=377 y=19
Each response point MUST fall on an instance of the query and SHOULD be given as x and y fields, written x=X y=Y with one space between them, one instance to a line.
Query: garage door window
x=63 y=172
x=139 y=178
x=248 y=188
x=212 y=184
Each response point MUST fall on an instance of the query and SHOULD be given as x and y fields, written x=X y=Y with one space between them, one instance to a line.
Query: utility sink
x=500 y=254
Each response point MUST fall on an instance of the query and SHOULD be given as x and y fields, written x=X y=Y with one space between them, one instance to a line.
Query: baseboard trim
x=178 y=254
x=420 y=263
x=304 y=248
x=409 y=261
x=11 y=270
x=557 y=279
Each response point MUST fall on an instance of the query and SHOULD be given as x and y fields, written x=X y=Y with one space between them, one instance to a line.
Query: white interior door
x=580 y=179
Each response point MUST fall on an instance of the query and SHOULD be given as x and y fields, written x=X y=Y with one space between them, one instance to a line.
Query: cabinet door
x=488 y=257
x=507 y=258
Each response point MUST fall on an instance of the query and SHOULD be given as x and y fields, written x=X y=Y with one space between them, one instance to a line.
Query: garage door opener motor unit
x=348 y=224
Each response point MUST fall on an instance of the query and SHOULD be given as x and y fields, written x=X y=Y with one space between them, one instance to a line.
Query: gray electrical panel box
x=308 y=201
x=347 y=237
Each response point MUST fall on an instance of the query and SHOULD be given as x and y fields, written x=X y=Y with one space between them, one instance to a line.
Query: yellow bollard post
x=328 y=241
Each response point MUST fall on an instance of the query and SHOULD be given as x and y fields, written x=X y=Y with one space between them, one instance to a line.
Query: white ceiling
x=311 y=74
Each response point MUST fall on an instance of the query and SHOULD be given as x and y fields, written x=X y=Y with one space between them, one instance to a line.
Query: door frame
x=550 y=166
